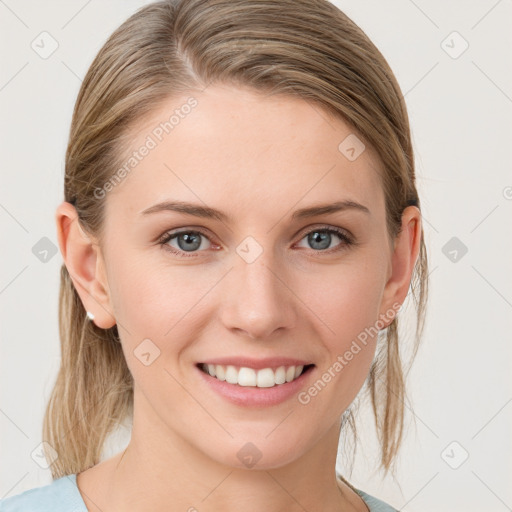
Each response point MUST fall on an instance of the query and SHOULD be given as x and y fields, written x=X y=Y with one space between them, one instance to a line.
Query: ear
x=405 y=253
x=84 y=262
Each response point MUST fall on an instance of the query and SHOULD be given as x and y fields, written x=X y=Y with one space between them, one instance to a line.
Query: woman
x=240 y=229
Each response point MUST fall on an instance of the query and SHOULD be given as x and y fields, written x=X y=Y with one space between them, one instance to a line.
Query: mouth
x=244 y=376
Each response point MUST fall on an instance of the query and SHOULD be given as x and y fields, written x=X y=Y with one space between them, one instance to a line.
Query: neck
x=160 y=467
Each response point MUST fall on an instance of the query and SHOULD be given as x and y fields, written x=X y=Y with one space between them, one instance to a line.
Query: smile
x=261 y=378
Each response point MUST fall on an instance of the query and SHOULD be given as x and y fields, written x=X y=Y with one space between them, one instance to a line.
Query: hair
x=301 y=48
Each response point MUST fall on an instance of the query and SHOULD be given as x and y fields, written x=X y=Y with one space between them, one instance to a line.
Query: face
x=267 y=282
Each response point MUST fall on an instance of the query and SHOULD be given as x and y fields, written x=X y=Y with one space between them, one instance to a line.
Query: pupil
x=321 y=237
x=189 y=241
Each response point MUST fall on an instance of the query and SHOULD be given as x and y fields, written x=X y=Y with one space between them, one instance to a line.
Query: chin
x=258 y=453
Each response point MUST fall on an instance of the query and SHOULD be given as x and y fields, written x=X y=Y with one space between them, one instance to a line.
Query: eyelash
x=347 y=241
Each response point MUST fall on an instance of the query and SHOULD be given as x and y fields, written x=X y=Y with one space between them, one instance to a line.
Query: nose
x=258 y=299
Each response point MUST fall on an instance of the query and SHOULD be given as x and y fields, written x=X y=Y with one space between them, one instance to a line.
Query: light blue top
x=62 y=495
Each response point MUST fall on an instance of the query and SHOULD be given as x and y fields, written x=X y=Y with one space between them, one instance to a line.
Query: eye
x=320 y=239
x=187 y=242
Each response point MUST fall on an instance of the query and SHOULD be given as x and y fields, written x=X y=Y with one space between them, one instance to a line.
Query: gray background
x=457 y=452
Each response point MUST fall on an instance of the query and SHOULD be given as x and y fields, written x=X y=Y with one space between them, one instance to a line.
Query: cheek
x=159 y=309
x=345 y=307
x=347 y=310
x=346 y=300
x=158 y=302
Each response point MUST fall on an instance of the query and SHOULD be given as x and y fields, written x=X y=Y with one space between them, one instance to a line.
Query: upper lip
x=257 y=364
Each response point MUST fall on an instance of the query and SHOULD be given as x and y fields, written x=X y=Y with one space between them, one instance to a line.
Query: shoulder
x=374 y=504
x=62 y=495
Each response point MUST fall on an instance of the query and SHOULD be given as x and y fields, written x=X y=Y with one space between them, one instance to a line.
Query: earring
x=90 y=316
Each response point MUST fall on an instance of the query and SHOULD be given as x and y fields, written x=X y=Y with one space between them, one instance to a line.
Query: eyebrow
x=212 y=213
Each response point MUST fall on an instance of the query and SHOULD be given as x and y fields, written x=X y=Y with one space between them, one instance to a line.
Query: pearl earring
x=90 y=316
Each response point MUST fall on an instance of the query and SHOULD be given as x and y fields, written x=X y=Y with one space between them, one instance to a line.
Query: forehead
x=233 y=148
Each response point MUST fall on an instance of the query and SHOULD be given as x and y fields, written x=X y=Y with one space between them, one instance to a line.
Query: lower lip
x=251 y=396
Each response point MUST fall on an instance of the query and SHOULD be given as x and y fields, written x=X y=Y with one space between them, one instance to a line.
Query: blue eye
x=188 y=241
x=191 y=242
x=321 y=238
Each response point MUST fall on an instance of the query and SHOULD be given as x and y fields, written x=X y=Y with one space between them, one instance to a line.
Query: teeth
x=264 y=378
x=231 y=375
x=280 y=375
x=247 y=377
x=220 y=372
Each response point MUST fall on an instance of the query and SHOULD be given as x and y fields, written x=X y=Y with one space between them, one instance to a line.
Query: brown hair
x=302 y=48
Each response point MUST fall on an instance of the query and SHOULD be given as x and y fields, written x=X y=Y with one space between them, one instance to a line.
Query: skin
x=257 y=158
